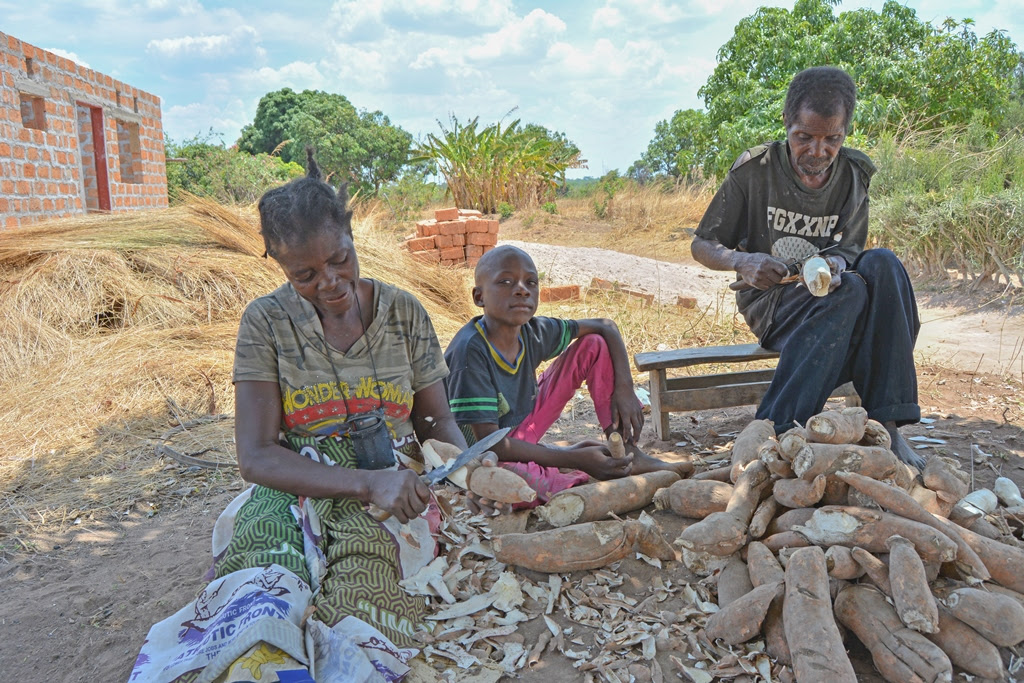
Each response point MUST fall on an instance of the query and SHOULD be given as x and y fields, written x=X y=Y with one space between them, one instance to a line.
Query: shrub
x=202 y=168
x=505 y=210
x=550 y=207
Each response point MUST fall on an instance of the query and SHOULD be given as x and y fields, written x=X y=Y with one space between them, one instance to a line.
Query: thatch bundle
x=117 y=327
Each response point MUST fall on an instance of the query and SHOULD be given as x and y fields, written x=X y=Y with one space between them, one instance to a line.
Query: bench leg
x=659 y=385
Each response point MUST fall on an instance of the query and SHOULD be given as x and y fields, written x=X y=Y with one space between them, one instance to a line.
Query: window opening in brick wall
x=129 y=151
x=33 y=112
x=135 y=104
x=30 y=67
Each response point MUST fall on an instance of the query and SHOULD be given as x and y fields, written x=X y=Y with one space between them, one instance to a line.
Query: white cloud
x=225 y=119
x=68 y=55
x=536 y=29
x=606 y=17
x=530 y=35
x=241 y=39
x=295 y=75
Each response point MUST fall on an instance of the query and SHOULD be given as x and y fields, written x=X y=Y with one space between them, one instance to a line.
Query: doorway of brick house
x=92 y=152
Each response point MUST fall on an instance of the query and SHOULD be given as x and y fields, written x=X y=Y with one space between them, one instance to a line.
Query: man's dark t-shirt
x=763 y=207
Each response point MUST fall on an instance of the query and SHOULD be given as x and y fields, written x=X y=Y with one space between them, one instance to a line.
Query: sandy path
x=990 y=341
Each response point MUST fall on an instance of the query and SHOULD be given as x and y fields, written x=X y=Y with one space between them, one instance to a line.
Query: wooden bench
x=702 y=392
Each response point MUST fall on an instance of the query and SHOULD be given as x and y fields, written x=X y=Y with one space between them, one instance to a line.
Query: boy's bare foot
x=902 y=449
x=644 y=463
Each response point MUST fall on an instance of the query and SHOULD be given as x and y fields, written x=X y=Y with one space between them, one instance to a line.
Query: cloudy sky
x=603 y=72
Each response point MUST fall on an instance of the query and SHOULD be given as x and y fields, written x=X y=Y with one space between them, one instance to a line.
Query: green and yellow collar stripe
x=496 y=355
x=467 y=405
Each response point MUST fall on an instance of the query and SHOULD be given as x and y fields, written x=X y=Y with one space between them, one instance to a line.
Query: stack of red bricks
x=453 y=237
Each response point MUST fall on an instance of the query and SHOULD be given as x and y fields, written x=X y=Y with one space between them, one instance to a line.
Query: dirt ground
x=78 y=607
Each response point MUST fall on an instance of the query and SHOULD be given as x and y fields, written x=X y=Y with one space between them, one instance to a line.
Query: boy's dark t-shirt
x=762 y=207
x=484 y=387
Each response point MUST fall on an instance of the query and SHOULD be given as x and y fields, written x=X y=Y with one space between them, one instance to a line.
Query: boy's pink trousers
x=588 y=359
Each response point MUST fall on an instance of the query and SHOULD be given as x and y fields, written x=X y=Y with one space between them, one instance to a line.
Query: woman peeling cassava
x=334 y=375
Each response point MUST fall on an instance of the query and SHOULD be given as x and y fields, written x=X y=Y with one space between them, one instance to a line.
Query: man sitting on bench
x=784 y=202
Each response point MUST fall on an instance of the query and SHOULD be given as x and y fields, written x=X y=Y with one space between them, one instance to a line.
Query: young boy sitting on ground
x=493 y=361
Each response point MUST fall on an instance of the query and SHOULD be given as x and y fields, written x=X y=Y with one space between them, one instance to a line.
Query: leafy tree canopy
x=908 y=73
x=200 y=167
x=361 y=147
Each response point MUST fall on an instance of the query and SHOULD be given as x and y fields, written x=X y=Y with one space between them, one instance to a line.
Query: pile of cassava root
x=823 y=532
x=811 y=539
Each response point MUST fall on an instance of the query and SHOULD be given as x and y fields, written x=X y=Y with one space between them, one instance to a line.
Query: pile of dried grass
x=117 y=327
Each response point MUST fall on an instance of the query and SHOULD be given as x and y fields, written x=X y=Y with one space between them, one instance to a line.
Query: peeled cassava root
x=599 y=500
x=581 y=546
x=815 y=644
x=816 y=275
x=899 y=653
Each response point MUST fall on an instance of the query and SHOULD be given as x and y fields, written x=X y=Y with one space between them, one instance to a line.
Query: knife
x=465 y=457
x=454 y=465
x=793 y=267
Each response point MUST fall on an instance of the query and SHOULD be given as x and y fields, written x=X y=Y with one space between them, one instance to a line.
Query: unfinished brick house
x=73 y=140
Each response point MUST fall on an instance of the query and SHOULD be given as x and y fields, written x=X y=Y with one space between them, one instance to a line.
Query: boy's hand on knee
x=627 y=414
x=594 y=458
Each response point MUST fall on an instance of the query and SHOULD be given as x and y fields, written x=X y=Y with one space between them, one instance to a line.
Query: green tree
x=361 y=147
x=908 y=72
x=206 y=169
x=679 y=147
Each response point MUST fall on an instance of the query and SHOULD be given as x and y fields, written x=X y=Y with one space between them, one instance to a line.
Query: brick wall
x=453 y=237
x=73 y=140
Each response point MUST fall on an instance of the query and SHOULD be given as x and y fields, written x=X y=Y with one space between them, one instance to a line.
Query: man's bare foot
x=644 y=463
x=902 y=449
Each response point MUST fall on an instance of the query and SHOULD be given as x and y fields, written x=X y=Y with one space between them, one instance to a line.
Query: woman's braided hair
x=825 y=90
x=303 y=208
